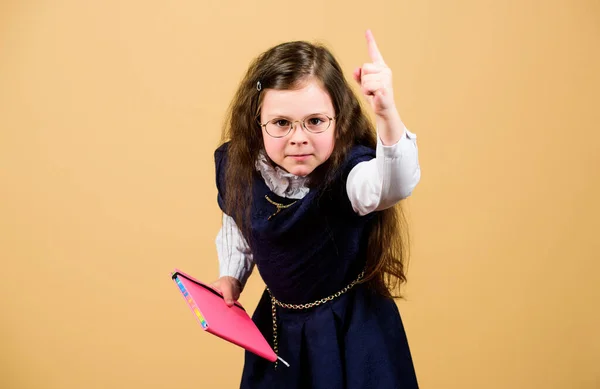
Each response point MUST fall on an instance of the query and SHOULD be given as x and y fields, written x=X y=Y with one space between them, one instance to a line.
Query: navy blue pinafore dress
x=310 y=250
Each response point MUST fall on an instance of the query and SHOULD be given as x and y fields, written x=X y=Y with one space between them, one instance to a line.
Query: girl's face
x=300 y=151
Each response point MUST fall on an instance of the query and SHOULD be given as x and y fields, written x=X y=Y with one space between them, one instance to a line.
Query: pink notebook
x=230 y=323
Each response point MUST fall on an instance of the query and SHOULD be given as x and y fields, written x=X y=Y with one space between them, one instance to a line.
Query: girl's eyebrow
x=280 y=115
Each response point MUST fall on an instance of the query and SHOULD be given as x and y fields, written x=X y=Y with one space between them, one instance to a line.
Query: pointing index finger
x=374 y=52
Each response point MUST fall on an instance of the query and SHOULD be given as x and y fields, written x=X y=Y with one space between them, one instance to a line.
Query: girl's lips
x=299 y=157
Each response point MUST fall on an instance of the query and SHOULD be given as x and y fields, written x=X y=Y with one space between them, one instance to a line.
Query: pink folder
x=230 y=323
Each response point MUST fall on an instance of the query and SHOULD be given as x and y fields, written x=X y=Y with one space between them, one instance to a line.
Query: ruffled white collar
x=280 y=182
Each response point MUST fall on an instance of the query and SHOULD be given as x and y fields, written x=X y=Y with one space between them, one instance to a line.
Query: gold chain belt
x=275 y=302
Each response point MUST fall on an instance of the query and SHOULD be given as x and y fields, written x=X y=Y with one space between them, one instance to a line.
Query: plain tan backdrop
x=109 y=115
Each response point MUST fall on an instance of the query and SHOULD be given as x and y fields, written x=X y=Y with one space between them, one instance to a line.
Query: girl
x=308 y=187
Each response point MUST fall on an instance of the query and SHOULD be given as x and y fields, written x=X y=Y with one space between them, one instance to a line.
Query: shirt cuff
x=408 y=139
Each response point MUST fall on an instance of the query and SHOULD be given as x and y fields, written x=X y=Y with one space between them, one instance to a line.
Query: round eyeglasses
x=280 y=127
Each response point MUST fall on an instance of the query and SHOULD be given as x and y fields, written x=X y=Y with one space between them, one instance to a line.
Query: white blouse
x=372 y=185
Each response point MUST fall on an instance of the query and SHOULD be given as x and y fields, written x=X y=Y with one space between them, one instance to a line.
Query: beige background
x=109 y=114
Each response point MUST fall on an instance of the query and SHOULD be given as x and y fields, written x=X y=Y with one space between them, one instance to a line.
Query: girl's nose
x=298 y=134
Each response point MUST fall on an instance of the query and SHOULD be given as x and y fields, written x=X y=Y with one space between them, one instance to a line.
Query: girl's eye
x=281 y=123
x=315 y=121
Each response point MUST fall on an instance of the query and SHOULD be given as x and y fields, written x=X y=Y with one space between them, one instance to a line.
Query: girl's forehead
x=309 y=97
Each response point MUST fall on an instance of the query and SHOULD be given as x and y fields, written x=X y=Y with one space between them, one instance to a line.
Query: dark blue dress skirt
x=356 y=341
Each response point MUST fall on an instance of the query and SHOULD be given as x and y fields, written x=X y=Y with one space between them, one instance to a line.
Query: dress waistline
x=275 y=303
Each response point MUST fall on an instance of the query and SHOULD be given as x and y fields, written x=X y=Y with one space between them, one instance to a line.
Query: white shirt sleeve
x=385 y=180
x=235 y=257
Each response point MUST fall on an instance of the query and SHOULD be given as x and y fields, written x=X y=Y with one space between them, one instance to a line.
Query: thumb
x=228 y=293
x=357 y=74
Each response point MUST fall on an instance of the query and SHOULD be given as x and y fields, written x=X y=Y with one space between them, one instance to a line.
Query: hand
x=375 y=80
x=230 y=287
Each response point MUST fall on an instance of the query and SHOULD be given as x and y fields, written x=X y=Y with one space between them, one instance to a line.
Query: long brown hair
x=287 y=66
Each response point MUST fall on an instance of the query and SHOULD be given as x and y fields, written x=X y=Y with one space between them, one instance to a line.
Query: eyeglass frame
x=293 y=122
